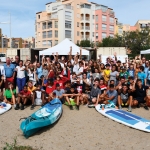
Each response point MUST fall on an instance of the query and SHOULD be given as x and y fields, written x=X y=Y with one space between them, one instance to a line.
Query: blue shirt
x=113 y=93
x=148 y=75
x=131 y=73
x=39 y=72
x=142 y=76
x=146 y=70
x=9 y=70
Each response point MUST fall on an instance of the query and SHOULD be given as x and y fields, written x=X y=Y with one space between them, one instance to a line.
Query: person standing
x=21 y=80
x=9 y=72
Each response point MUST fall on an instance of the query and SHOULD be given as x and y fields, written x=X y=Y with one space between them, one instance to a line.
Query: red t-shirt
x=61 y=83
x=25 y=93
x=49 y=89
x=51 y=74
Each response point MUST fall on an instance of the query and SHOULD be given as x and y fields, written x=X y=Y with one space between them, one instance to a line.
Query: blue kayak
x=45 y=116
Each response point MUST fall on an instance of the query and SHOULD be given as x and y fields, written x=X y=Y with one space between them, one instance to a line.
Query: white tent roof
x=145 y=51
x=63 y=48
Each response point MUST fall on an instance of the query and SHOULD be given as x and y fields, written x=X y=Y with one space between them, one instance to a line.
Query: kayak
x=45 y=116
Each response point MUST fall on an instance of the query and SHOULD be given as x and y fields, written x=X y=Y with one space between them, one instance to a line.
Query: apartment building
x=118 y=27
x=141 y=24
x=74 y=19
x=28 y=42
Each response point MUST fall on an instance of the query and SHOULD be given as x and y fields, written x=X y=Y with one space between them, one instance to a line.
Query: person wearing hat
x=59 y=92
x=124 y=72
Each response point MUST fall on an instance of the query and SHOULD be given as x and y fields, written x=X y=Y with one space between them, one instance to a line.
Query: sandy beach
x=76 y=130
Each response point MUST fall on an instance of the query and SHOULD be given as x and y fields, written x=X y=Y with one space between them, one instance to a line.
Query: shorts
x=124 y=100
x=140 y=100
x=91 y=97
x=9 y=99
x=111 y=102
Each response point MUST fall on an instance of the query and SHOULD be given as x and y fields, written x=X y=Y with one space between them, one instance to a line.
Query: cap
x=123 y=68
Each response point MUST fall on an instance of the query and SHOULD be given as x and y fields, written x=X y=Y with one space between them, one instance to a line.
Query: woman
x=21 y=80
x=114 y=74
x=59 y=69
x=9 y=95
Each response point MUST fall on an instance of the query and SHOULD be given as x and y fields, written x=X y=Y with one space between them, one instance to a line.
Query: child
x=23 y=97
x=9 y=95
x=106 y=73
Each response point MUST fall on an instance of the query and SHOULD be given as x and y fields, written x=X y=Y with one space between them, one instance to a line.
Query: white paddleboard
x=126 y=118
x=4 y=109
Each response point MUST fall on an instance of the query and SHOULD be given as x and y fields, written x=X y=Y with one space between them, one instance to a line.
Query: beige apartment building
x=141 y=24
x=74 y=19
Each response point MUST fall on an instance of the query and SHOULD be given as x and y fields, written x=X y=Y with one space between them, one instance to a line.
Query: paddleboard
x=125 y=118
x=4 y=107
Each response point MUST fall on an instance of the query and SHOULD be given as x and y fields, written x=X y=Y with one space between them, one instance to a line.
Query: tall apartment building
x=74 y=19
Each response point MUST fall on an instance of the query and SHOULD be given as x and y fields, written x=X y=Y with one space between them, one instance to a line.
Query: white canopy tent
x=63 y=48
x=145 y=52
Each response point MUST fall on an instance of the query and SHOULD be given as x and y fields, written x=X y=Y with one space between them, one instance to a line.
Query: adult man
x=9 y=72
x=141 y=75
x=39 y=72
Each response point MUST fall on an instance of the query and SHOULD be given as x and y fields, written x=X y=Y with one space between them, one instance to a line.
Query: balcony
x=82 y=27
x=68 y=7
x=53 y=17
x=82 y=18
x=87 y=27
x=87 y=18
x=87 y=37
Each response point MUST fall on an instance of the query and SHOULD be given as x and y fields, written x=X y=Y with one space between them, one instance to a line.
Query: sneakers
x=32 y=107
x=129 y=109
x=71 y=107
x=77 y=107
x=22 y=107
x=120 y=107
x=16 y=107
x=146 y=108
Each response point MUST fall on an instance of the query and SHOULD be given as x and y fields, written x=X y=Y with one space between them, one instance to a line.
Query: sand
x=76 y=130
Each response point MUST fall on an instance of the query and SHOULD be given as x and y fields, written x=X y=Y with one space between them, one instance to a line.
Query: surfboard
x=125 y=118
x=4 y=107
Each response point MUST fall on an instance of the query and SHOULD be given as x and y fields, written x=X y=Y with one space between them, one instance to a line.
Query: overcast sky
x=23 y=13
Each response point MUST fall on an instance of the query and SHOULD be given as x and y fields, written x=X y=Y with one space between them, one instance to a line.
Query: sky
x=23 y=13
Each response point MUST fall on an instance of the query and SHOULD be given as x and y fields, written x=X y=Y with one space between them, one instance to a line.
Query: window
x=77 y=24
x=39 y=34
x=49 y=25
x=68 y=15
x=104 y=8
x=96 y=26
x=49 y=43
x=39 y=43
x=104 y=26
x=96 y=35
x=38 y=16
x=103 y=35
x=111 y=35
x=44 y=35
x=78 y=33
x=49 y=34
x=68 y=24
x=103 y=18
x=111 y=28
x=86 y=6
x=56 y=33
x=44 y=25
x=78 y=6
x=56 y=42
x=93 y=16
x=93 y=34
x=38 y=25
x=120 y=31
x=111 y=20
x=56 y=24
x=67 y=34
x=44 y=43
x=96 y=17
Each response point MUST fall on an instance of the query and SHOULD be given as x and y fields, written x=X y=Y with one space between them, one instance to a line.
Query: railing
x=67 y=17
x=82 y=18
x=44 y=36
x=68 y=7
x=49 y=26
x=68 y=26
x=82 y=27
x=53 y=17
x=67 y=36
x=87 y=18
x=49 y=36
x=87 y=28
x=103 y=28
x=44 y=27
x=87 y=38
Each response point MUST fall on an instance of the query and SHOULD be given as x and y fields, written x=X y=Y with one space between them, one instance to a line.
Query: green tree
x=85 y=43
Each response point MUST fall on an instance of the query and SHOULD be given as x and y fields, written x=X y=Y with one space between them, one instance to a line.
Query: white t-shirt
x=20 y=72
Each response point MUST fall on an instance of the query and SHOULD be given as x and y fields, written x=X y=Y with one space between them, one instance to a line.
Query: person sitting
x=111 y=95
x=32 y=89
x=59 y=93
x=140 y=94
x=124 y=73
x=95 y=93
x=9 y=95
x=23 y=97
x=124 y=98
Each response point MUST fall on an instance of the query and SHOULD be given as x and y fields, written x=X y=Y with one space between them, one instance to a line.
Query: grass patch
x=14 y=146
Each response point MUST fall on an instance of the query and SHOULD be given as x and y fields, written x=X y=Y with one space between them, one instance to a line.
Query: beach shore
x=76 y=130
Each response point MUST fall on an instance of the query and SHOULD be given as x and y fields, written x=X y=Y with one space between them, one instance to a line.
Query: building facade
x=142 y=24
x=74 y=19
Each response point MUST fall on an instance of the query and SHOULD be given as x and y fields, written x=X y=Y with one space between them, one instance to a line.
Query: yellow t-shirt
x=33 y=88
x=107 y=75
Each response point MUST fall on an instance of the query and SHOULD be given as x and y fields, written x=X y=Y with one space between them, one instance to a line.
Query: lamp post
x=9 y=26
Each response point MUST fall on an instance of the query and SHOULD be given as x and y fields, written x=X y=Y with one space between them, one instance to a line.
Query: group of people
x=73 y=79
